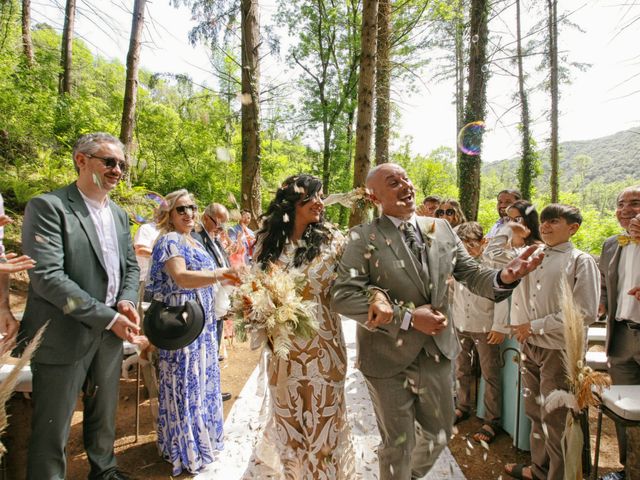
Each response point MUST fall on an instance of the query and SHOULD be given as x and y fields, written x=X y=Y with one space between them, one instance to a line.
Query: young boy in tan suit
x=537 y=322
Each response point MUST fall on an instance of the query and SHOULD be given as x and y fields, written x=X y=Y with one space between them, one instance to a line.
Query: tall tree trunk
x=527 y=170
x=128 y=122
x=27 y=45
x=66 y=57
x=362 y=161
x=553 y=83
x=326 y=158
x=475 y=108
x=459 y=56
x=250 y=188
x=383 y=80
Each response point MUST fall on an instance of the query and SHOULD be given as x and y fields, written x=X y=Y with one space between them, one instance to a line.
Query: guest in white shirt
x=143 y=242
x=84 y=287
x=481 y=329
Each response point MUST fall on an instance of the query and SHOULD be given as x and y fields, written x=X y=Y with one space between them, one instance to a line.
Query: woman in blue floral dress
x=190 y=405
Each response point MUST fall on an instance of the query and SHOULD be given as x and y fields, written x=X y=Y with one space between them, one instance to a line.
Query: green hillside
x=603 y=160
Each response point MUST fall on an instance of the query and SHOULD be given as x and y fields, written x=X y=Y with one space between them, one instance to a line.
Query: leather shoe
x=226 y=396
x=115 y=474
x=614 y=476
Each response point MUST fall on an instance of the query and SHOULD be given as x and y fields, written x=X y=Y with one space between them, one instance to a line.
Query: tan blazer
x=376 y=256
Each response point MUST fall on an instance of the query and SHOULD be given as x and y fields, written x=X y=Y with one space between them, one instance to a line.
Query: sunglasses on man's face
x=111 y=162
x=450 y=212
x=183 y=209
x=219 y=225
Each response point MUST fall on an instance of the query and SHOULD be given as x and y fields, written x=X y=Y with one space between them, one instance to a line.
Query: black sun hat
x=172 y=328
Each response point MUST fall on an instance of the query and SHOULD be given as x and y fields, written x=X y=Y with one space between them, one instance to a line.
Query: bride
x=306 y=435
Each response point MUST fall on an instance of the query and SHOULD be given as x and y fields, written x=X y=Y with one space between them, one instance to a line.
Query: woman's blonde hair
x=164 y=224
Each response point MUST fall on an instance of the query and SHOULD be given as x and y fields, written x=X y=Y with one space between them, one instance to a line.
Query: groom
x=400 y=263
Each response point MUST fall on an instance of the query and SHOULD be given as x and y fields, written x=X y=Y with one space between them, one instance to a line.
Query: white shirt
x=145 y=236
x=537 y=299
x=108 y=237
x=473 y=313
x=628 y=277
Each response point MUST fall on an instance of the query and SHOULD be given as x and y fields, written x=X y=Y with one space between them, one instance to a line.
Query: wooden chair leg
x=596 y=455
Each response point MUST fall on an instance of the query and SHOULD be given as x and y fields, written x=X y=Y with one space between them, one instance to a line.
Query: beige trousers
x=414 y=412
x=489 y=357
x=545 y=372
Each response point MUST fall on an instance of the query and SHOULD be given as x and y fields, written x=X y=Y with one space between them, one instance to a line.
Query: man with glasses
x=211 y=233
x=620 y=270
x=85 y=287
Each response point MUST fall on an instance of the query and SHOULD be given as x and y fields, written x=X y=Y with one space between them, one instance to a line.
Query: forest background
x=241 y=138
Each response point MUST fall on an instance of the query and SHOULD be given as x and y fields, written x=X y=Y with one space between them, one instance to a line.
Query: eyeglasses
x=218 y=224
x=111 y=162
x=183 y=209
x=450 y=212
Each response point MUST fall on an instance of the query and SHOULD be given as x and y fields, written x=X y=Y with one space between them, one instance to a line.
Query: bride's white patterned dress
x=241 y=427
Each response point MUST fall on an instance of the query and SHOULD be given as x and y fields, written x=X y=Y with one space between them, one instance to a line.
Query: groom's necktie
x=411 y=238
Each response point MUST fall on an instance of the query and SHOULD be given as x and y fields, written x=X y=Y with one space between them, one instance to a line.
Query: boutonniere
x=428 y=233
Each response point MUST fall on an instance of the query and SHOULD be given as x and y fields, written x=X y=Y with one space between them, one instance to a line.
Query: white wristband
x=406 y=321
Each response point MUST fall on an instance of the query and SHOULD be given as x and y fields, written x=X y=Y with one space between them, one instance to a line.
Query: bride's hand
x=228 y=276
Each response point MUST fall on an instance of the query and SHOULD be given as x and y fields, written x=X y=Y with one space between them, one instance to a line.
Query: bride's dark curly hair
x=279 y=219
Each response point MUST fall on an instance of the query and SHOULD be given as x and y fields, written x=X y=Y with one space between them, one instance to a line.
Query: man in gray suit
x=85 y=285
x=400 y=264
x=620 y=269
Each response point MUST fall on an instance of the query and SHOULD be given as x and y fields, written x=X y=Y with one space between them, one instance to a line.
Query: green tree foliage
x=186 y=137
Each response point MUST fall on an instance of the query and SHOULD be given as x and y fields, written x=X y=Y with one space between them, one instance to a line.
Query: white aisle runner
x=240 y=428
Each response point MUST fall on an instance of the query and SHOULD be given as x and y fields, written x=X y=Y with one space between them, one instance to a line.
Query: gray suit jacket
x=377 y=257
x=608 y=266
x=69 y=282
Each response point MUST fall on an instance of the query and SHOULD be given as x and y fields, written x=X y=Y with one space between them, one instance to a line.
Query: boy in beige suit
x=538 y=324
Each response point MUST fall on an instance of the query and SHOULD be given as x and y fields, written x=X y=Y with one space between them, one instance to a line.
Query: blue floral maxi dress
x=190 y=412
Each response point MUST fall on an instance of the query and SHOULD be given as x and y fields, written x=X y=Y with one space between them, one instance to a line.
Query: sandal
x=488 y=431
x=516 y=470
x=460 y=417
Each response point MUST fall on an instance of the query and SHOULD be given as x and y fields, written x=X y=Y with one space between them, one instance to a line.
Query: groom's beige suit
x=408 y=373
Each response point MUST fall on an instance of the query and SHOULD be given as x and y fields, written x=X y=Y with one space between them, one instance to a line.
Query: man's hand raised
x=520 y=266
x=11 y=263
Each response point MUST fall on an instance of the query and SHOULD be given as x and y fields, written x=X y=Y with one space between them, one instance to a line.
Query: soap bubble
x=470 y=138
